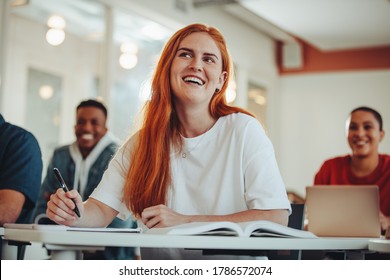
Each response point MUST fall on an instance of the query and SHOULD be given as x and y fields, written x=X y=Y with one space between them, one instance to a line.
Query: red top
x=337 y=171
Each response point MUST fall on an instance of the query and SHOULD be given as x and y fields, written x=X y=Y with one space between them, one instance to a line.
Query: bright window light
x=231 y=92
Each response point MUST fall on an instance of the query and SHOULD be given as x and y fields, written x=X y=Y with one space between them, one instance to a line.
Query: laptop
x=343 y=211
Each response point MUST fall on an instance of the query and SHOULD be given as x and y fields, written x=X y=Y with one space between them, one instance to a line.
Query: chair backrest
x=297 y=217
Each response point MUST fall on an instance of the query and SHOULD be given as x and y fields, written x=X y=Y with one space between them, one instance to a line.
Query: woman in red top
x=365 y=166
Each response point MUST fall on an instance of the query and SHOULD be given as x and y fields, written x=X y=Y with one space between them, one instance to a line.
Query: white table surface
x=74 y=238
x=379 y=245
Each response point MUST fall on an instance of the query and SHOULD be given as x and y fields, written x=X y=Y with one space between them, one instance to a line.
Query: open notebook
x=343 y=211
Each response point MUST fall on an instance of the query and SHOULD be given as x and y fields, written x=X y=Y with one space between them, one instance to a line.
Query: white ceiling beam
x=259 y=23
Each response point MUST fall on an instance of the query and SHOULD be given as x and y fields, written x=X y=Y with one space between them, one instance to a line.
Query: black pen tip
x=76 y=210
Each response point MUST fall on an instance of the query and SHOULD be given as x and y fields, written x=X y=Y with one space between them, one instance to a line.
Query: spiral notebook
x=343 y=211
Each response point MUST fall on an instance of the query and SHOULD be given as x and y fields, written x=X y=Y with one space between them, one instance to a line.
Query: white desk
x=7 y=251
x=379 y=245
x=66 y=244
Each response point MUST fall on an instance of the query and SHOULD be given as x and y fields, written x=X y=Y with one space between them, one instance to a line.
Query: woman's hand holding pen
x=60 y=207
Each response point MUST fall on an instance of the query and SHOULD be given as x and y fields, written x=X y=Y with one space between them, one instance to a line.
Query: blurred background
x=300 y=66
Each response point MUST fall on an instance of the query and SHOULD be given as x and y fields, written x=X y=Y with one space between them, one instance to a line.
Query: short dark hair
x=93 y=103
x=372 y=111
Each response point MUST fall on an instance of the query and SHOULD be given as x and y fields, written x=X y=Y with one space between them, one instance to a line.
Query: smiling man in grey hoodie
x=82 y=165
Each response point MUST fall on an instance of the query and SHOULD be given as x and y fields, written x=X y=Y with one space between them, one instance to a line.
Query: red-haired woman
x=194 y=159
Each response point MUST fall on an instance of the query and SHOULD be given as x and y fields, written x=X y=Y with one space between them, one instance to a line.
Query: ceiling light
x=56 y=21
x=55 y=36
x=46 y=92
x=128 y=61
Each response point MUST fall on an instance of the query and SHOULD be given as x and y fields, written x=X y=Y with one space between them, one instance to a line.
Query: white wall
x=28 y=48
x=312 y=112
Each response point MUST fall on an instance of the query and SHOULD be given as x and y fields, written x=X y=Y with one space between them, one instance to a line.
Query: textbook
x=67 y=228
x=259 y=228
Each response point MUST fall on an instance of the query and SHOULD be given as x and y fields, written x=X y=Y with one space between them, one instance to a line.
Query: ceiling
x=75 y=12
x=325 y=24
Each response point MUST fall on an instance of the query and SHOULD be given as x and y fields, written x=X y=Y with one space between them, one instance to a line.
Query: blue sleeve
x=22 y=167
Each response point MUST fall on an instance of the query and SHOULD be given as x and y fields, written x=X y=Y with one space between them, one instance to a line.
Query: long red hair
x=149 y=175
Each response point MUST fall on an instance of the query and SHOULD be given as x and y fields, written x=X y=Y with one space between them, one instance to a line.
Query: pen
x=65 y=188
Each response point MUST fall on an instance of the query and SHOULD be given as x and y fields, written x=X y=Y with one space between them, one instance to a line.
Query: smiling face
x=90 y=128
x=196 y=71
x=364 y=134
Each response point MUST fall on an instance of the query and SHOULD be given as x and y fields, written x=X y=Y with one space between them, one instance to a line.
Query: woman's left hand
x=385 y=221
x=162 y=216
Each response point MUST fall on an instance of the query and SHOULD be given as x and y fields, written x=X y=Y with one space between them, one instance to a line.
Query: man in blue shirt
x=20 y=173
x=82 y=165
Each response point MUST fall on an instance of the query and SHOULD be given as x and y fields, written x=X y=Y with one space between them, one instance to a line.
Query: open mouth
x=87 y=137
x=360 y=144
x=195 y=80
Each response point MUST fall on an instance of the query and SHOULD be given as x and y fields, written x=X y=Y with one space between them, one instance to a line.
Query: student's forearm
x=7 y=216
x=95 y=214
x=11 y=204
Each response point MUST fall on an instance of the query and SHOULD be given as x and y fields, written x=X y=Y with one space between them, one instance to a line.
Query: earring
x=216 y=90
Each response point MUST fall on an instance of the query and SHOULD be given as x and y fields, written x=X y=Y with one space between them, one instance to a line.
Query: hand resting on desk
x=162 y=216
x=385 y=221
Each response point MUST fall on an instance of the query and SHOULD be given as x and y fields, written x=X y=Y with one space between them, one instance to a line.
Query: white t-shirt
x=228 y=169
